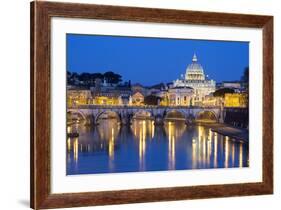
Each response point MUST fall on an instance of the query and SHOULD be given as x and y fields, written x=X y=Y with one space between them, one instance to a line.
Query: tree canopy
x=89 y=78
x=221 y=92
x=245 y=76
x=112 y=78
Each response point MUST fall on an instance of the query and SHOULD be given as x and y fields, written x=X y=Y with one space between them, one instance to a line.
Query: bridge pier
x=189 y=121
x=221 y=115
x=125 y=120
x=93 y=121
x=158 y=120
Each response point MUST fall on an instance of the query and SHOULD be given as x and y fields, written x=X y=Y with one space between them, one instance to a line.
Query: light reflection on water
x=142 y=146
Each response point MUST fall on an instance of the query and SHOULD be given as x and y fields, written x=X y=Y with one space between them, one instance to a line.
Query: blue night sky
x=153 y=60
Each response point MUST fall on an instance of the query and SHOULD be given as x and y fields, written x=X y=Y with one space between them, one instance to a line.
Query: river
x=111 y=148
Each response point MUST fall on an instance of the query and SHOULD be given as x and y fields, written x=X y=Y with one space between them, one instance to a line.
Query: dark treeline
x=245 y=76
x=221 y=92
x=89 y=79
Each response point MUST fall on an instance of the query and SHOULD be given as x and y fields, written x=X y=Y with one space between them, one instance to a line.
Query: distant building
x=180 y=96
x=161 y=93
x=210 y=100
x=106 y=99
x=196 y=79
x=125 y=100
x=137 y=99
x=79 y=97
x=235 y=100
x=158 y=90
x=231 y=84
x=112 y=96
x=219 y=85
x=139 y=88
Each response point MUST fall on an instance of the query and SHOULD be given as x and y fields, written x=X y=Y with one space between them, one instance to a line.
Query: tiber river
x=110 y=148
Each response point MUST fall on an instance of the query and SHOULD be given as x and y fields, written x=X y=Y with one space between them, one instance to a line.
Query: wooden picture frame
x=41 y=14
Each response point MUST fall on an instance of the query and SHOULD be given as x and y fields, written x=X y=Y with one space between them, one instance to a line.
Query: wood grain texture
x=41 y=14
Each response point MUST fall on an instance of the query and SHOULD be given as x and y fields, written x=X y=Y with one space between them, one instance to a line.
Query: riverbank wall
x=237 y=133
x=237 y=117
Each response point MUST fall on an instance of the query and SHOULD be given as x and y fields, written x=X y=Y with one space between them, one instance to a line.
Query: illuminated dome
x=194 y=70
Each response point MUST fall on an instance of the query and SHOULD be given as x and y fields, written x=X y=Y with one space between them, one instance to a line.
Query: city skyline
x=140 y=57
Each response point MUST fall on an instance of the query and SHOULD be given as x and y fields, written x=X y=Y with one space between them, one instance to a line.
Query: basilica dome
x=194 y=70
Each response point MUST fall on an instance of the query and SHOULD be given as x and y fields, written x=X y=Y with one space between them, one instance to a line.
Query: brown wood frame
x=41 y=14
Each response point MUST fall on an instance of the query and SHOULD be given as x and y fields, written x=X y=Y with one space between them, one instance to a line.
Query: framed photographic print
x=140 y=105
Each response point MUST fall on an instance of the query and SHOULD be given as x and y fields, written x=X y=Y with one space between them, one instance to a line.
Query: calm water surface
x=110 y=148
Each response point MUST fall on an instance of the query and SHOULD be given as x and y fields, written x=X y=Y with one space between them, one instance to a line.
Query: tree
x=89 y=79
x=85 y=78
x=129 y=84
x=112 y=78
x=245 y=76
x=245 y=82
x=69 y=74
x=72 y=77
x=95 y=76
x=221 y=92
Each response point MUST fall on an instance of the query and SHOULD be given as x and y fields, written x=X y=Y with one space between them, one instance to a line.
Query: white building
x=180 y=96
x=196 y=79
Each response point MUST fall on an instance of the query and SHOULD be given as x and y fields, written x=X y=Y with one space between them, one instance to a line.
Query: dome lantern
x=194 y=59
x=194 y=70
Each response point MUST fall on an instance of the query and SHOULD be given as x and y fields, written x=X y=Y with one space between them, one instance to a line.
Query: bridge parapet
x=159 y=113
x=92 y=106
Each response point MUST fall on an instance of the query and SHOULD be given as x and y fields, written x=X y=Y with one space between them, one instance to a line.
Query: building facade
x=236 y=100
x=78 y=97
x=180 y=96
x=137 y=99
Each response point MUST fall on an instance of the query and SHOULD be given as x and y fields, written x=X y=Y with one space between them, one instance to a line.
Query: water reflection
x=215 y=150
x=145 y=147
x=241 y=155
x=174 y=131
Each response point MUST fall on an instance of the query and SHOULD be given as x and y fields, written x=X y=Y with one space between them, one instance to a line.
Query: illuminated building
x=180 y=96
x=78 y=97
x=108 y=95
x=139 y=88
x=165 y=99
x=196 y=79
x=210 y=100
x=108 y=99
x=137 y=98
x=235 y=100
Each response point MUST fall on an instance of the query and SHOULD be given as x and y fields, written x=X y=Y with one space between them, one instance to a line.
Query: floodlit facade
x=235 y=100
x=137 y=99
x=180 y=96
x=78 y=97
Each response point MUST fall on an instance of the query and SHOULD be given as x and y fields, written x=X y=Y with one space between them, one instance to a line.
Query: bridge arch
x=206 y=116
x=141 y=114
x=79 y=113
x=174 y=114
x=107 y=114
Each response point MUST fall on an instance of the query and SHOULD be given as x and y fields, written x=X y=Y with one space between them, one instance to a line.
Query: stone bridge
x=92 y=113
